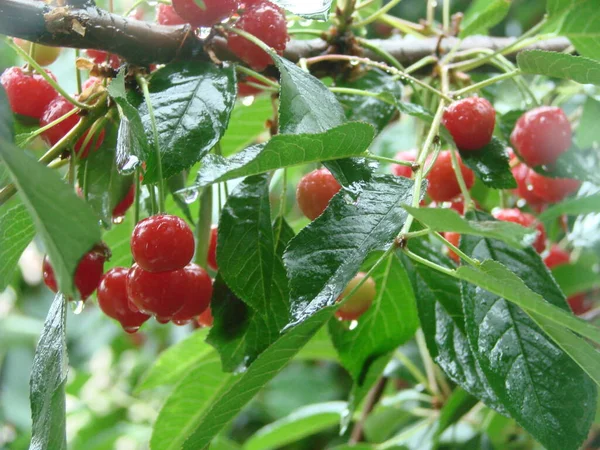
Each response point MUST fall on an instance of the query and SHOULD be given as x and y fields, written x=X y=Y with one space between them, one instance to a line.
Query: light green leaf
x=560 y=65
x=586 y=135
x=484 y=19
x=582 y=26
x=576 y=278
x=573 y=207
x=246 y=123
x=16 y=232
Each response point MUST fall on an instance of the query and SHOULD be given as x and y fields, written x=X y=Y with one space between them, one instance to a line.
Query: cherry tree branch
x=145 y=43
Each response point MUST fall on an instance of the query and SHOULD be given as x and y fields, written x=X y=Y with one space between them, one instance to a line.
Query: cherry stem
x=461 y=181
x=385 y=55
x=485 y=83
x=258 y=76
x=429 y=264
x=377 y=14
x=456 y=250
x=413 y=165
x=203 y=227
x=362 y=93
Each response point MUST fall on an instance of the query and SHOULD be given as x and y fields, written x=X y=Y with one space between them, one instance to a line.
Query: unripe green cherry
x=356 y=305
x=44 y=55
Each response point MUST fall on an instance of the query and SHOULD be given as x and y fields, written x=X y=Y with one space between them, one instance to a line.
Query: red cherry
x=198 y=296
x=87 y=275
x=55 y=110
x=162 y=243
x=360 y=301
x=101 y=57
x=214 y=11
x=454 y=239
x=580 y=304
x=161 y=293
x=542 y=135
x=28 y=94
x=91 y=81
x=206 y=319
x=556 y=257
x=526 y=220
x=114 y=302
x=267 y=22
x=471 y=122
x=552 y=190
x=404 y=171
x=166 y=15
x=314 y=192
x=121 y=209
x=443 y=185
x=212 y=249
x=137 y=14
x=524 y=190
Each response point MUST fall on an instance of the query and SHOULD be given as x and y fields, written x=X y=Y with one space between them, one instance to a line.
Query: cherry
x=443 y=185
x=87 y=275
x=471 y=122
x=404 y=171
x=212 y=249
x=101 y=57
x=114 y=301
x=199 y=292
x=214 y=11
x=162 y=294
x=314 y=192
x=556 y=257
x=361 y=300
x=125 y=204
x=54 y=111
x=542 y=135
x=524 y=190
x=166 y=15
x=552 y=190
x=162 y=243
x=454 y=239
x=44 y=55
x=91 y=81
x=206 y=319
x=28 y=94
x=267 y=22
x=580 y=304
x=526 y=220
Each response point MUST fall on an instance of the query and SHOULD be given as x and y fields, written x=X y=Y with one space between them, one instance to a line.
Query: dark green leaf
x=414 y=110
x=573 y=206
x=66 y=240
x=6 y=117
x=582 y=26
x=556 y=7
x=16 y=232
x=48 y=380
x=507 y=121
x=576 y=278
x=287 y=150
x=560 y=65
x=491 y=165
x=455 y=408
x=192 y=102
x=587 y=135
x=494 y=12
x=325 y=255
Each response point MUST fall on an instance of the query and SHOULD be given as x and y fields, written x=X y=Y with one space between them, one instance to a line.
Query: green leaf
x=560 y=65
x=192 y=103
x=483 y=20
x=48 y=380
x=319 y=348
x=65 y=240
x=507 y=121
x=318 y=10
x=415 y=111
x=586 y=135
x=389 y=322
x=446 y=219
x=300 y=424
x=576 y=278
x=326 y=255
x=573 y=206
x=351 y=139
x=456 y=407
x=582 y=26
x=16 y=232
x=538 y=384
x=575 y=163
x=555 y=7
x=491 y=165
x=367 y=109
x=7 y=121
x=246 y=124
x=175 y=362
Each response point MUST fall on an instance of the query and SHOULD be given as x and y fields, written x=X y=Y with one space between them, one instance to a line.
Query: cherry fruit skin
x=44 y=55
x=162 y=243
x=580 y=304
x=360 y=301
x=87 y=275
x=524 y=189
x=314 y=192
x=214 y=11
x=404 y=171
x=206 y=319
x=162 y=294
x=212 y=249
x=552 y=190
x=454 y=239
x=121 y=209
x=443 y=185
x=556 y=257
x=527 y=220
x=471 y=122
x=199 y=293
x=267 y=22
x=28 y=94
x=542 y=135
x=166 y=15
x=114 y=301
x=101 y=57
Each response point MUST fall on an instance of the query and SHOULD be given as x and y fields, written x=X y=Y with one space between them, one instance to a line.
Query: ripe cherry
x=524 y=190
x=162 y=294
x=526 y=220
x=44 y=55
x=361 y=300
x=101 y=57
x=28 y=94
x=267 y=22
x=214 y=11
x=580 y=304
x=121 y=209
x=55 y=110
x=162 y=243
x=471 y=122
x=556 y=257
x=199 y=293
x=166 y=15
x=542 y=135
x=114 y=301
x=87 y=275
x=443 y=185
x=552 y=190
x=212 y=249
x=404 y=171
x=314 y=192
x=206 y=319
x=454 y=239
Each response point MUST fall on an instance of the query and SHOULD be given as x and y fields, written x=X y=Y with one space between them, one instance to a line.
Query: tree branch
x=145 y=43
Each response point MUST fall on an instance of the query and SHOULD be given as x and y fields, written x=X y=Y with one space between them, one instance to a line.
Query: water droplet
x=131 y=330
x=77 y=306
x=118 y=220
x=204 y=32
x=188 y=196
